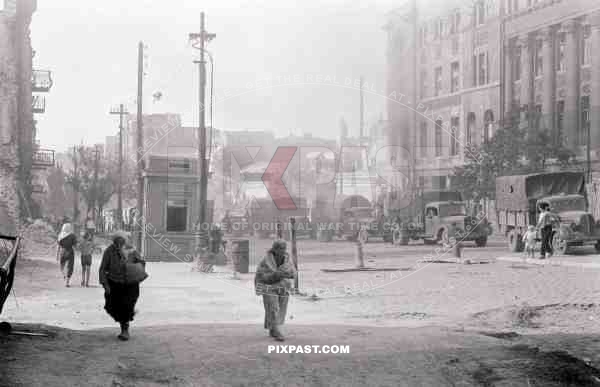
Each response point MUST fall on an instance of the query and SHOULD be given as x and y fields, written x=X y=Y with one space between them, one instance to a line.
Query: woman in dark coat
x=66 y=254
x=119 y=295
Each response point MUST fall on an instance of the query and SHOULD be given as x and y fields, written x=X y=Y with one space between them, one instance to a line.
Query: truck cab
x=576 y=225
x=446 y=220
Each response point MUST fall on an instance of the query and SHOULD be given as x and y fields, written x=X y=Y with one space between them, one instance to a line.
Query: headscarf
x=67 y=229
x=268 y=266
x=120 y=234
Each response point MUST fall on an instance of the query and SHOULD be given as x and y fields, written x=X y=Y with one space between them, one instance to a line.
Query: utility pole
x=200 y=39
x=362 y=122
x=139 y=229
x=121 y=112
x=76 y=185
x=96 y=171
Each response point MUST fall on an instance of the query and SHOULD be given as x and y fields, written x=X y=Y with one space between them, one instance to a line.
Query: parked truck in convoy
x=518 y=199
x=436 y=216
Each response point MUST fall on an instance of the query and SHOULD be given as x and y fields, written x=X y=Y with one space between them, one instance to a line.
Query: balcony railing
x=43 y=158
x=41 y=81
x=38 y=104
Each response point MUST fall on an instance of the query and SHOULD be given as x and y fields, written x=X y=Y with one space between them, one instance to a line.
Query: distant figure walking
x=87 y=247
x=121 y=271
x=65 y=254
x=273 y=282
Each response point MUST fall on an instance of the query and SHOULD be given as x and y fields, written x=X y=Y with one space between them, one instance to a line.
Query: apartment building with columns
x=465 y=67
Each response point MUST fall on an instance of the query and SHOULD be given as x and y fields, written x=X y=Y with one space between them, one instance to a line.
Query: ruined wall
x=8 y=118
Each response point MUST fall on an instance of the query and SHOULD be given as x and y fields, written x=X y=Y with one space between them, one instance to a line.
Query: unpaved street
x=432 y=325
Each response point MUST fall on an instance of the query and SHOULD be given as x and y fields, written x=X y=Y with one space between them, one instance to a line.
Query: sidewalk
x=591 y=261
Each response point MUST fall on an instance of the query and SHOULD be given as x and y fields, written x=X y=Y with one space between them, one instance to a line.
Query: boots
x=124 y=336
x=275 y=333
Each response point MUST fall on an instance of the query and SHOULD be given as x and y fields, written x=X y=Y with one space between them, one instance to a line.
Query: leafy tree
x=511 y=151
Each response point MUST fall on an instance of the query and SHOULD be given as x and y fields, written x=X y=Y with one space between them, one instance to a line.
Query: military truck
x=518 y=200
x=436 y=216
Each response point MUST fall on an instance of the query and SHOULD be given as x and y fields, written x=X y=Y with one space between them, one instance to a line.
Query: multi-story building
x=21 y=155
x=477 y=64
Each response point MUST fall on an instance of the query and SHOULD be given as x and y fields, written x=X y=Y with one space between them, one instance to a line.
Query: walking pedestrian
x=87 y=247
x=121 y=271
x=529 y=239
x=273 y=281
x=65 y=254
x=545 y=226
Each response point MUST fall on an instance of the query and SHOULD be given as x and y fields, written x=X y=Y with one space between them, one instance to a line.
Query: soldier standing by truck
x=547 y=221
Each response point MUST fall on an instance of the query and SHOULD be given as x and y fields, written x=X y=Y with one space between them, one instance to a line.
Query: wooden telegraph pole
x=294 y=252
x=200 y=39
x=121 y=112
x=139 y=229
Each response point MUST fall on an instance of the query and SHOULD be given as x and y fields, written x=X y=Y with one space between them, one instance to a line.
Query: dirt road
x=234 y=355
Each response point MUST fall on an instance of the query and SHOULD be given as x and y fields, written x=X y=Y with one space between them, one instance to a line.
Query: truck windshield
x=570 y=204
x=453 y=210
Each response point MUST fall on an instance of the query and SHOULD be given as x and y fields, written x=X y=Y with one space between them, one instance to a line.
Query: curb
x=551 y=262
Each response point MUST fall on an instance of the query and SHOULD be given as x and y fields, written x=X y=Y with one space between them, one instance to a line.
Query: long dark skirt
x=67 y=261
x=120 y=302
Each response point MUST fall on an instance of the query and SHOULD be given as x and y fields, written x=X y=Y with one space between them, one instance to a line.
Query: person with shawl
x=120 y=294
x=273 y=281
x=65 y=254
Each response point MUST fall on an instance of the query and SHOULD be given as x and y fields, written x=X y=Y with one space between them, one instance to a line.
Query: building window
x=482 y=69
x=488 y=126
x=438 y=138
x=182 y=165
x=455 y=22
x=561 y=50
x=587 y=45
x=423 y=139
x=438 y=81
x=423 y=84
x=455 y=46
x=455 y=71
x=539 y=58
x=560 y=116
x=421 y=181
x=538 y=116
x=517 y=63
x=582 y=137
x=177 y=213
x=471 y=120
x=454 y=136
x=480 y=12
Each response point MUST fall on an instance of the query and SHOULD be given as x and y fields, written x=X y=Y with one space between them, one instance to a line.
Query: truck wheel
x=444 y=238
x=515 y=242
x=559 y=245
x=401 y=237
x=481 y=242
x=597 y=246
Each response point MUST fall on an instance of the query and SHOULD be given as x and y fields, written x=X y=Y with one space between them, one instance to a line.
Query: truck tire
x=597 y=246
x=401 y=237
x=515 y=242
x=481 y=242
x=559 y=245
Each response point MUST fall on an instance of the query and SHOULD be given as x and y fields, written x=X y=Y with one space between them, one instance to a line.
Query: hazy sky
x=91 y=48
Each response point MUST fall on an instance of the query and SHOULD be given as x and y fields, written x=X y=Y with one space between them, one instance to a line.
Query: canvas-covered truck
x=434 y=217
x=518 y=199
